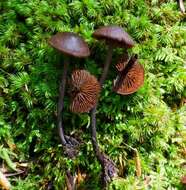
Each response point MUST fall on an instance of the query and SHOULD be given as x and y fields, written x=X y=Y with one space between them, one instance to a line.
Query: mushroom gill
x=130 y=79
x=85 y=91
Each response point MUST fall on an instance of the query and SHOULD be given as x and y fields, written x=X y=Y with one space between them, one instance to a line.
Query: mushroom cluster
x=85 y=88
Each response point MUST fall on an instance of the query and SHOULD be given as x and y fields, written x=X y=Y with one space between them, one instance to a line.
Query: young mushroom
x=130 y=77
x=85 y=91
x=114 y=36
x=71 y=45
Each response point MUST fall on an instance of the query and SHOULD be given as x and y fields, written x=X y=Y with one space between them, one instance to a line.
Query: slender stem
x=61 y=101
x=93 y=111
x=93 y=133
x=106 y=65
x=129 y=65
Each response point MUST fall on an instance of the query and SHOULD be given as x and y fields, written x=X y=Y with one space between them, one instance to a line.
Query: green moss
x=29 y=76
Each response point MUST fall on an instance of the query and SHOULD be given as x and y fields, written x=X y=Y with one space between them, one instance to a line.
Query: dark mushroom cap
x=70 y=44
x=132 y=80
x=85 y=91
x=115 y=35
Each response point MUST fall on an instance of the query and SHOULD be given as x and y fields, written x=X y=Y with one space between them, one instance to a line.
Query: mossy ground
x=150 y=120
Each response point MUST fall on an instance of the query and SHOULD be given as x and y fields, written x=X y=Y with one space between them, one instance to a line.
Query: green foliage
x=150 y=120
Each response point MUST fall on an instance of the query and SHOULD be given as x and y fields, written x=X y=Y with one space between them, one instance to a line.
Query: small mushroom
x=85 y=91
x=71 y=45
x=130 y=77
x=114 y=36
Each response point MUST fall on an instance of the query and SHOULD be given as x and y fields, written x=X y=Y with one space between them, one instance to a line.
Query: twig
x=136 y=159
x=14 y=174
x=181 y=5
x=134 y=149
x=137 y=163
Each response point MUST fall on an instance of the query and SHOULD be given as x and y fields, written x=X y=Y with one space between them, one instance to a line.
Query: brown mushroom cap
x=70 y=44
x=132 y=80
x=115 y=35
x=85 y=91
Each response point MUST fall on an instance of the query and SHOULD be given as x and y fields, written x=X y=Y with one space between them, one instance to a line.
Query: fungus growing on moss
x=85 y=91
x=114 y=36
x=71 y=45
x=130 y=77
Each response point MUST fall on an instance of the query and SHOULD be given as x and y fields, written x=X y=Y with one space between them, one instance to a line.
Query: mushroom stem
x=61 y=102
x=106 y=65
x=93 y=133
x=93 y=111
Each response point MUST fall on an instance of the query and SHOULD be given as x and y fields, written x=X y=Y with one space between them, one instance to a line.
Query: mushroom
x=71 y=45
x=114 y=36
x=130 y=77
x=85 y=91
